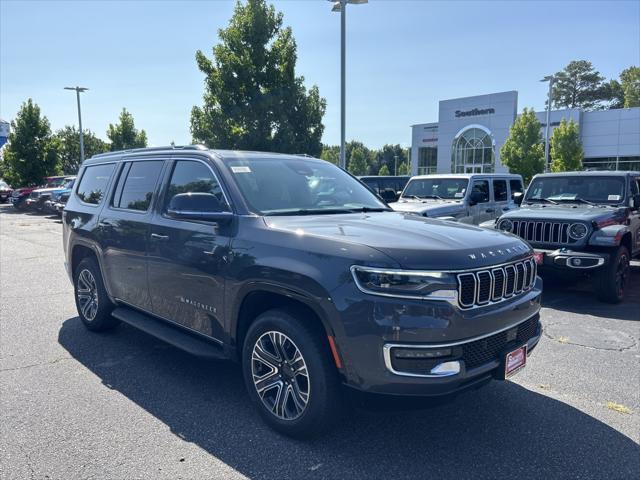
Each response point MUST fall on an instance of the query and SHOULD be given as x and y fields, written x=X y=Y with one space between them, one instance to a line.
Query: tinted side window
x=635 y=186
x=195 y=177
x=500 y=190
x=482 y=186
x=94 y=181
x=137 y=184
x=516 y=186
x=372 y=184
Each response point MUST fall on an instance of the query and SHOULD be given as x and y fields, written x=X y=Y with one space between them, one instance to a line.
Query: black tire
x=324 y=395
x=93 y=303
x=611 y=283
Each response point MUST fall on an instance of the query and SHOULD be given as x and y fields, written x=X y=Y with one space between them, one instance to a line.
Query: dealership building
x=470 y=132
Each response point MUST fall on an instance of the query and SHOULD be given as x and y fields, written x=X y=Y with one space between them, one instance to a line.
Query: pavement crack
x=48 y=362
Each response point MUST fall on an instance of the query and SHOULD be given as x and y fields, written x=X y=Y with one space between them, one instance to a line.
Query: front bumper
x=477 y=339
x=571 y=260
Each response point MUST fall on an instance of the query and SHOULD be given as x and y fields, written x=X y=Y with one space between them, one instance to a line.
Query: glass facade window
x=473 y=152
x=427 y=160
x=612 y=163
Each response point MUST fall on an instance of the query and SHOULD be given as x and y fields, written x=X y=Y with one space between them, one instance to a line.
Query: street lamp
x=341 y=6
x=550 y=79
x=78 y=90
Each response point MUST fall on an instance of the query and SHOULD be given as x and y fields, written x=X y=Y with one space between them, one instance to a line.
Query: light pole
x=341 y=6
x=550 y=79
x=78 y=90
x=395 y=165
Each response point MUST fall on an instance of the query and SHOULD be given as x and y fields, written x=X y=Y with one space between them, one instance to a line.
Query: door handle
x=157 y=236
x=490 y=210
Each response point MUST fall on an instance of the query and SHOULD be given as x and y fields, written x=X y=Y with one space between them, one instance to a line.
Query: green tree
x=124 y=135
x=566 y=147
x=253 y=100
x=69 y=139
x=389 y=155
x=32 y=151
x=384 y=170
x=614 y=94
x=630 y=83
x=358 y=162
x=331 y=153
x=403 y=169
x=578 y=85
x=523 y=152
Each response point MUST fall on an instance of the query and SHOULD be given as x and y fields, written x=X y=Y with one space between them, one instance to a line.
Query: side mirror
x=517 y=198
x=198 y=206
x=477 y=197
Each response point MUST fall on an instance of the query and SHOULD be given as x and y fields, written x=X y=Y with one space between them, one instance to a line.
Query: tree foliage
x=384 y=170
x=390 y=156
x=579 y=85
x=630 y=84
x=69 y=141
x=253 y=100
x=358 y=162
x=331 y=153
x=566 y=147
x=403 y=169
x=124 y=135
x=32 y=151
x=523 y=152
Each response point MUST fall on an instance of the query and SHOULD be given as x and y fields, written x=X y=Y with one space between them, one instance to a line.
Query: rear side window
x=516 y=187
x=93 y=184
x=500 y=190
x=372 y=184
x=136 y=185
x=195 y=177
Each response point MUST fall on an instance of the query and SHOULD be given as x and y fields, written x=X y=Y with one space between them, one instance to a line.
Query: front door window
x=473 y=152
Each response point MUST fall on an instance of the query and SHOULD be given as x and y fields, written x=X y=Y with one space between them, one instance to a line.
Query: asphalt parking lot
x=75 y=404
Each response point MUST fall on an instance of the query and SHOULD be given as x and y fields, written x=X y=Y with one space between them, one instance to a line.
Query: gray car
x=465 y=198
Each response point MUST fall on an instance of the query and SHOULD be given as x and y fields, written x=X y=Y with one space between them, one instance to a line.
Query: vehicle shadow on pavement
x=500 y=431
x=578 y=297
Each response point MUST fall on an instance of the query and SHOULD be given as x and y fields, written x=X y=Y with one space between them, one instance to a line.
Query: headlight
x=505 y=225
x=578 y=231
x=405 y=283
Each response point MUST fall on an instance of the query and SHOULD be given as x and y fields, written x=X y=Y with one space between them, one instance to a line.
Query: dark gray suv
x=295 y=269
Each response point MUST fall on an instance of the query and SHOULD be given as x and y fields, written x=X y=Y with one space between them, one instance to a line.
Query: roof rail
x=151 y=149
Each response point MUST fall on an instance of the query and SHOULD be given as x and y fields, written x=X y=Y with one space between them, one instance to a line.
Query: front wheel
x=290 y=376
x=612 y=281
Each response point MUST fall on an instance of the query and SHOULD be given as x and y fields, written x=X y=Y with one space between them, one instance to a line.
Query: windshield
x=587 y=189
x=289 y=187
x=447 y=188
x=55 y=182
x=69 y=183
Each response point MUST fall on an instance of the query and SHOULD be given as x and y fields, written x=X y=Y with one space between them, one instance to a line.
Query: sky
x=403 y=57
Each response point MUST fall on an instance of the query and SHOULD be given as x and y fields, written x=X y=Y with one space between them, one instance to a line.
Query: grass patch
x=619 y=408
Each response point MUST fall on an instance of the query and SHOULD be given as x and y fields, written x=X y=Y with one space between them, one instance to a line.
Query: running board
x=167 y=333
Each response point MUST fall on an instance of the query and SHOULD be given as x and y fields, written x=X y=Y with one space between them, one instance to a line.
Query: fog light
x=446 y=368
x=576 y=262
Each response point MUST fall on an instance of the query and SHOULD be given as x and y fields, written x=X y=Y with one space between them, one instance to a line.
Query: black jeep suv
x=297 y=270
x=582 y=223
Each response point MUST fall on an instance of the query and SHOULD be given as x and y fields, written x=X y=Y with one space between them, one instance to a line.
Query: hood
x=413 y=242
x=571 y=212
x=431 y=207
x=46 y=190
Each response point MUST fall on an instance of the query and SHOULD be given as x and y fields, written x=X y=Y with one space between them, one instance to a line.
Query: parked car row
x=51 y=198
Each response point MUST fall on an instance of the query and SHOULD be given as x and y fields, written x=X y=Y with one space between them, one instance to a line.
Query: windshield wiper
x=370 y=209
x=574 y=199
x=540 y=199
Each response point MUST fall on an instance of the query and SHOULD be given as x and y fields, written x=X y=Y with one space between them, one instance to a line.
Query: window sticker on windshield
x=241 y=169
x=458 y=195
x=613 y=198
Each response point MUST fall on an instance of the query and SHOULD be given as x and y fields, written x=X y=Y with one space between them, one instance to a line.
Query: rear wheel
x=92 y=301
x=289 y=375
x=611 y=283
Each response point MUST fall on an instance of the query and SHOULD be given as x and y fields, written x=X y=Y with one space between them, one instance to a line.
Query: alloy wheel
x=87 y=294
x=280 y=375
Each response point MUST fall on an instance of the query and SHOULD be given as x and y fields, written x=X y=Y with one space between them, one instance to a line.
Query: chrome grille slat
x=541 y=232
x=493 y=285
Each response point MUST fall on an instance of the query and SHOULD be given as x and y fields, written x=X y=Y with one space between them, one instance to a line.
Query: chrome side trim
x=386 y=349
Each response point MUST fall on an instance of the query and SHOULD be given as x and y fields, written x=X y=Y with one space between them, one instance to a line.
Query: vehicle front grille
x=493 y=285
x=542 y=232
x=487 y=349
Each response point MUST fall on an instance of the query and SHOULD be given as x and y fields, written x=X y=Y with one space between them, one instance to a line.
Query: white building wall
x=611 y=133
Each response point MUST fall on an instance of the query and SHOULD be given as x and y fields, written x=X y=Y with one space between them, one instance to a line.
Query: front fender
x=609 y=236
